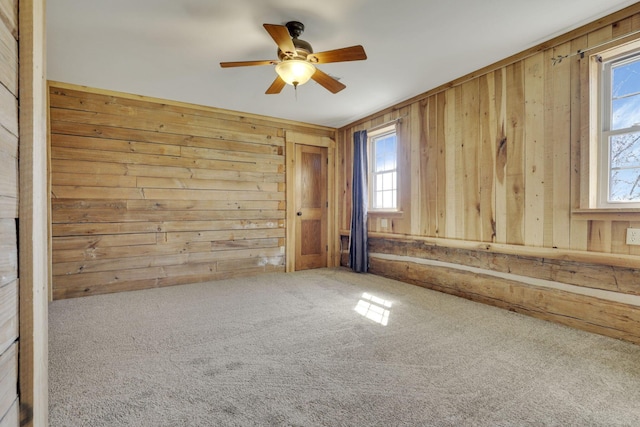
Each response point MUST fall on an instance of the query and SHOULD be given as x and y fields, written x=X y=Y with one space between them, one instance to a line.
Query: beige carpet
x=309 y=349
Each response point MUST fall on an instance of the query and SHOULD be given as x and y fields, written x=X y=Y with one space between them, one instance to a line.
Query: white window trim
x=378 y=132
x=598 y=161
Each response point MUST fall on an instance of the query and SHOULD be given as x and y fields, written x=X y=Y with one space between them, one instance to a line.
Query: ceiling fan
x=296 y=60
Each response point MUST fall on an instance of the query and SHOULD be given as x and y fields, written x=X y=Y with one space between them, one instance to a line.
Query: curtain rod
x=381 y=125
x=558 y=59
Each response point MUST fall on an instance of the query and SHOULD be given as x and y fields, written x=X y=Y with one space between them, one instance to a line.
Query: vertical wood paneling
x=534 y=151
x=560 y=123
x=451 y=168
x=579 y=228
x=441 y=165
x=149 y=194
x=501 y=151
x=515 y=154
x=470 y=158
x=502 y=154
x=428 y=185
x=486 y=157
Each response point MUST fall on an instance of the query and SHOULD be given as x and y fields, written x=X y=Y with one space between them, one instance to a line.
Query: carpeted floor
x=309 y=349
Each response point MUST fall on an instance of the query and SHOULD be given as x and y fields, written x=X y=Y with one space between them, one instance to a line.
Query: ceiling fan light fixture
x=295 y=71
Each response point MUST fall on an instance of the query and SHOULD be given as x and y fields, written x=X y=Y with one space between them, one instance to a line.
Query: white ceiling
x=171 y=49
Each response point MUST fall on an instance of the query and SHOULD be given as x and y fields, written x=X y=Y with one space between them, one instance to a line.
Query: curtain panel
x=358 y=251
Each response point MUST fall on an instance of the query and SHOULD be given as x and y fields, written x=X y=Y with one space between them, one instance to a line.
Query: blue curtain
x=358 y=251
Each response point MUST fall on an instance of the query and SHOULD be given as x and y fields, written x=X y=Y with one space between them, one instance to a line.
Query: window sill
x=606 y=214
x=382 y=212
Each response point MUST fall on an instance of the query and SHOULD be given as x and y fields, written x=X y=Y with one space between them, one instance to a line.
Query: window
x=618 y=160
x=383 y=176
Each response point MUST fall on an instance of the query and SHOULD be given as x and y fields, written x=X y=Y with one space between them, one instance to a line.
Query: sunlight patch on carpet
x=374 y=308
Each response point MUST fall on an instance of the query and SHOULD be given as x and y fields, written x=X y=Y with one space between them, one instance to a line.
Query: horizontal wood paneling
x=8 y=315
x=8 y=381
x=496 y=162
x=148 y=193
x=9 y=326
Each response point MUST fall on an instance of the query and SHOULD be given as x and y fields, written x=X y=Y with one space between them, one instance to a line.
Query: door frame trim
x=291 y=140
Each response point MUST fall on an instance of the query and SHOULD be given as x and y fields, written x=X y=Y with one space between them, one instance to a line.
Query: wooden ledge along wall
x=490 y=171
x=149 y=193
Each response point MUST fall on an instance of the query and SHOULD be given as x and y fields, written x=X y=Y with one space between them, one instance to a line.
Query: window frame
x=372 y=137
x=606 y=63
x=595 y=162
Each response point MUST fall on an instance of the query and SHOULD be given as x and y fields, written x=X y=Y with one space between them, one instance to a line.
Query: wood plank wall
x=149 y=193
x=8 y=213
x=491 y=162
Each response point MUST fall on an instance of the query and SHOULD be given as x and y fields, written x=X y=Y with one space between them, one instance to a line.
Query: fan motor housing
x=303 y=48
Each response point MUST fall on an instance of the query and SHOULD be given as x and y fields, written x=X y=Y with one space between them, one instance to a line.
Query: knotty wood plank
x=452 y=184
x=8 y=207
x=211 y=236
x=86 y=242
x=561 y=126
x=92 y=180
x=236 y=245
x=207 y=153
x=84 y=229
x=205 y=184
x=8 y=58
x=428 y=186
x=8 y=315
x=88 y=167
x=442 y=183
x=62 y=216
x=121 y=146
x=8 y=176
x=625 y=26
x=8 y=111
x=534 y=167
x=235 y=265
x=9 y=251
x=126 y=252
x=9 y=16
x=487 y=167
x=501 y=149
x=60 y=153
x=201 y=273
x=8 y=143
x=579 y=228
x=8 y=379
x=225 y=141
x=156 y=260
x=12 y=417
x=470 y=159
x=515 y=154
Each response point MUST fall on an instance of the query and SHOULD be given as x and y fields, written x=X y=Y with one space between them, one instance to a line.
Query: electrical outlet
x=633 y=236
x=384 y=223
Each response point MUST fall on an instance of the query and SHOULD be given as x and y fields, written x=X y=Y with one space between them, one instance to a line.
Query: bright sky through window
x=383 y=173
x=624 y=140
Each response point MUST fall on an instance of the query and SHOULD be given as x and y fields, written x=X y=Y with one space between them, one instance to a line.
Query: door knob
x=299 y=214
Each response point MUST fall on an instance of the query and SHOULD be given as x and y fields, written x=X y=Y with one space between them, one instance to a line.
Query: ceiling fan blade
x=246 y=63
x=276 y=86
x=328 y=82
x=353 y=53
x=280 y=35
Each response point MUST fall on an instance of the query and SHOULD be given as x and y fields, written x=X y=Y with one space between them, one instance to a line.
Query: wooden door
x=311 y=207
